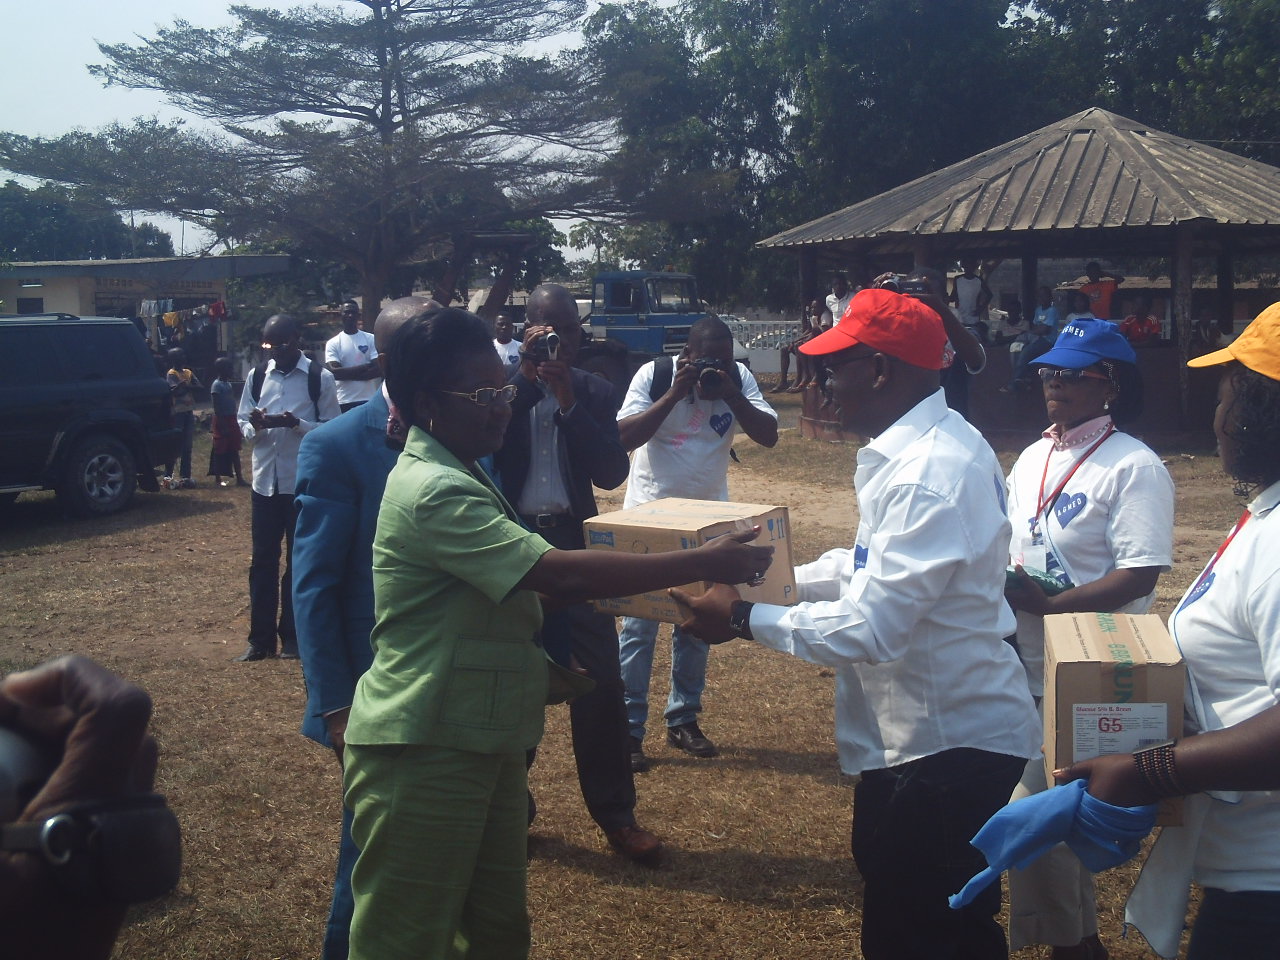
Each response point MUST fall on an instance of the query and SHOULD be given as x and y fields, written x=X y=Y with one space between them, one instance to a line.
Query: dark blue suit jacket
x=589 y=453
x=342 y=470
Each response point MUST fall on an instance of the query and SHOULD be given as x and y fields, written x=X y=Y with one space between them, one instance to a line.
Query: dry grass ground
x=757 y=864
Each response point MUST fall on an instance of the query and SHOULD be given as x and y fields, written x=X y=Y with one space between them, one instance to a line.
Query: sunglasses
x=486 y=395
x=1070 y=376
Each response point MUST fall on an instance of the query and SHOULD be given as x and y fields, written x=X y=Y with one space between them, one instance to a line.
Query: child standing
x=182 y=384
x=225 y=458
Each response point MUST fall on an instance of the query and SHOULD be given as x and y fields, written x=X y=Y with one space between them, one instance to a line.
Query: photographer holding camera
x=680 y=421
x=561 y=441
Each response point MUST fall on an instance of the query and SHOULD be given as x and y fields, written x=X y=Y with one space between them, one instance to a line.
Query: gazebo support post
x=1182 y=267
x=1226 y=291
x=808 y=276
x=1030 y=267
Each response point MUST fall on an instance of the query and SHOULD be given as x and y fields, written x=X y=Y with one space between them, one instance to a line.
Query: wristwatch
x=740 y=619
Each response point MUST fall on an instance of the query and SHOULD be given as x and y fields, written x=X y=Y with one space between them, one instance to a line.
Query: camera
x=709 y=373
x=544 y=348
x=905 y=284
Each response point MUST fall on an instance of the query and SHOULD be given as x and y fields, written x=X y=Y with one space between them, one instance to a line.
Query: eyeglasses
x=486 y=395
x=1070 y=376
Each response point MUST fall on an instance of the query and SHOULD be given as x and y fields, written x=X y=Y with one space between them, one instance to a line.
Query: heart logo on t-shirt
x=1069 y=506
x=363 y=347
x=721 y=423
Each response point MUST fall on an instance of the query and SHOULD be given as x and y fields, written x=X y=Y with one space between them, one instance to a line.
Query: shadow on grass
x=735 y=874
x=38 y=519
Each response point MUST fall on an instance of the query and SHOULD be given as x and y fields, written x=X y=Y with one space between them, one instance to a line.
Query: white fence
x=762 y=338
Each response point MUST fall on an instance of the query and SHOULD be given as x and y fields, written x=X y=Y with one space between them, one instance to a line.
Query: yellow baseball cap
x=1258 y=347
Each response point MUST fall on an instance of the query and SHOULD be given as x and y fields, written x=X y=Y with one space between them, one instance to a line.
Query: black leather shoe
x=639 y=762
x=289 y=655
x=689 y=738
x=252 y=654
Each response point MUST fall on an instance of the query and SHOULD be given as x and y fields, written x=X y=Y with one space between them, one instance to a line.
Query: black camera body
x=905 y=284
x=544 y=348
x=710 y=375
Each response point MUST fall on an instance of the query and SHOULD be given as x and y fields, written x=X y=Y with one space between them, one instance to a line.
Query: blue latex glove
x=1100 y=834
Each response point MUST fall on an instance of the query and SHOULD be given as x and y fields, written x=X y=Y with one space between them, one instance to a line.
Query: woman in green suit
x=435 y=757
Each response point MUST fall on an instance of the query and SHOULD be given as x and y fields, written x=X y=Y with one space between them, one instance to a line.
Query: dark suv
x=83 y=411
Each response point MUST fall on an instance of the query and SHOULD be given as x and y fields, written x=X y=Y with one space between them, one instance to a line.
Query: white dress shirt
x=913 y=617
x=275 y=451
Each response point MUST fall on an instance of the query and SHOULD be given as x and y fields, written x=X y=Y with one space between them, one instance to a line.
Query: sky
x=47 y=88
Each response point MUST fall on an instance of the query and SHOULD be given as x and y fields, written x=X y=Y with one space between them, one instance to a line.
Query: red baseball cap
x=899 y=326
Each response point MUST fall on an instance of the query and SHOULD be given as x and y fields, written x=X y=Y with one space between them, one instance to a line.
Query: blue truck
x=637 y=315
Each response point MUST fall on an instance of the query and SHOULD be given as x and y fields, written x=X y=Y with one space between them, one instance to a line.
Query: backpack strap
x=664 y=368
x=313 y=385
x=255 y=383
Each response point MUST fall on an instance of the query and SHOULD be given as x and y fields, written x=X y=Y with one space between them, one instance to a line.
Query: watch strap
x=740 y=618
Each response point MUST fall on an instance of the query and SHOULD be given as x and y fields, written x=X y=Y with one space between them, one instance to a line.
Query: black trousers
x=270 y=594
x=601 y=747
x=911 y=830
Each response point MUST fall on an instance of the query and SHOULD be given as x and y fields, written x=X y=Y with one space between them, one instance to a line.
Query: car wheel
x=99 y=477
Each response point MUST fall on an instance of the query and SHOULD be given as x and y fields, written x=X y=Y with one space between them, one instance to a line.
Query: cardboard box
x=1113 y=682
x=677 y=524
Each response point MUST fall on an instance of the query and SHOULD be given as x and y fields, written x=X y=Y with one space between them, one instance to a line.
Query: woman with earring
x=1092 y=514
x=436 y=742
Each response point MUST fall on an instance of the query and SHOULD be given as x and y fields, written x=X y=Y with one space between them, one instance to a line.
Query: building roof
x=154 y=268
x=1088 y=180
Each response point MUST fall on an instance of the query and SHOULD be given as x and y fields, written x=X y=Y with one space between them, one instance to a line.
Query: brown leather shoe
x=636 y=844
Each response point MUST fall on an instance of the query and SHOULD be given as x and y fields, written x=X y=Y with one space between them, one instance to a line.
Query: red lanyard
x=1244 y=518
x=1046 y=502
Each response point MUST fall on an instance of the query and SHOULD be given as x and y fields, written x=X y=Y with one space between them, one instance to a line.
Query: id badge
x=1035 y=555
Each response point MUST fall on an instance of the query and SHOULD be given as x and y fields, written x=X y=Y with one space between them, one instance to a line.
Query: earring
x=1106 y=404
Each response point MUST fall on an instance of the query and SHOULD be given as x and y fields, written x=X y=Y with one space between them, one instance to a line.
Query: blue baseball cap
x=1087 y=341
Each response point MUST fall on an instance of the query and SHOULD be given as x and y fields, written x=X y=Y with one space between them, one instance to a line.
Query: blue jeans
x=337 y=932
x=1244 y=925
x=688 y=673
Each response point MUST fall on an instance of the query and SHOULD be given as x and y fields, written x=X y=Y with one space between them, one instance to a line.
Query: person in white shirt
x=1091 y=507
x=932 y=710
x=681 y=441
x=276 y=421
x=838 y=299
x=1227 y=626
x=504 y=329
x=352 y=358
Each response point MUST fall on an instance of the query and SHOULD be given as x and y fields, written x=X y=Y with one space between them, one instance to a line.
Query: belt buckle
x=545 y=521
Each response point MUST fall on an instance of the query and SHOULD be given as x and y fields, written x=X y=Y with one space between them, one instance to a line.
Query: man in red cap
x=932 y=708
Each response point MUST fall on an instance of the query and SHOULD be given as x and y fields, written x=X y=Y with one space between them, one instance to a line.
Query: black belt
x=547 y=521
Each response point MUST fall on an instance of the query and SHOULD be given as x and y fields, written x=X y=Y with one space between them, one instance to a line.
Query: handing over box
x=678 y=524
x=1113 y=683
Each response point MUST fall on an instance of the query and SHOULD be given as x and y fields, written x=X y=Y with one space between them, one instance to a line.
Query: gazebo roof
x=1090 y=181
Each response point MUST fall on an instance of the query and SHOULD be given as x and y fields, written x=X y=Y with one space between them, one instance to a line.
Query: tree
x=50 y=223
x=369 y=131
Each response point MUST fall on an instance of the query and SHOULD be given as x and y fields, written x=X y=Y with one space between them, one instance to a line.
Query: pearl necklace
x=1082 y=439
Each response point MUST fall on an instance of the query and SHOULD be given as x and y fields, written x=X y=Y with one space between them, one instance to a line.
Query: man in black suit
x=562 y=439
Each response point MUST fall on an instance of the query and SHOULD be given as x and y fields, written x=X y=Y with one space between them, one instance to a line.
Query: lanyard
x=1045 y=502
x=1244 y=518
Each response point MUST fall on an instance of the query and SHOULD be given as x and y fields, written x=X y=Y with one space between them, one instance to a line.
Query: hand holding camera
x=541 y=362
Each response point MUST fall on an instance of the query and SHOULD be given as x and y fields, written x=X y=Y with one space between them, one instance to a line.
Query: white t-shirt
x=353 y=350
x=968 y=290
x=836 y=306
x=688 y=456
x=1116 y=512
x=1228 y=628
x=508 y=353
x=913 y=617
